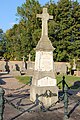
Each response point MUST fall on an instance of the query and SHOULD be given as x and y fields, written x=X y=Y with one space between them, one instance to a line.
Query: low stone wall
x=77 y=73
x=30 y=65
x=59 y=67
x=15 y=65
x=11 y=65
x=2 y=66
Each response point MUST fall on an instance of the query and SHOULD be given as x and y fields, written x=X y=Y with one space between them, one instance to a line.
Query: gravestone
x=23 y=64
x=2 y=64
x=30 y=66
x=29 y=57
x=74 y=64
x=44 y=78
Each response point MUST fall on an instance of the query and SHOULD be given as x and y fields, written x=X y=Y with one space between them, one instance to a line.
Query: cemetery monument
x=44 y=78
x=23 y=64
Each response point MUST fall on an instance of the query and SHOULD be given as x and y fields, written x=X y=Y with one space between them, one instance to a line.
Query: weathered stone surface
x=46 y=81
x=47 y=101
x=44 y=17
x=42 y=74
x=44 y=61
x=61 y=67
x=44 y=44
x=30 y=65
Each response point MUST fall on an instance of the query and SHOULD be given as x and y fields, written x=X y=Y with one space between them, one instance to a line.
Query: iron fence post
x=63 y=83
x=1 y=103
x=65 y=103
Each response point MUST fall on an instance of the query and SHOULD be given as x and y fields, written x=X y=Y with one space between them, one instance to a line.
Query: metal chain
x=43 y=109
x=13 y=105
x=73 y=97
x=14 y=89
x=75 y=90
x=37 y=102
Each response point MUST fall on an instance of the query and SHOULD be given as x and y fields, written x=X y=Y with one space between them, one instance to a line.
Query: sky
x=8 y=10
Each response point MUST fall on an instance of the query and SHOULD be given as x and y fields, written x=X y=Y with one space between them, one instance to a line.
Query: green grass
x=70 y=80
x=23 y=79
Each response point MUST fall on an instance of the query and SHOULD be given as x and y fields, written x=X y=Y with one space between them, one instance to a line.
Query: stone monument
x=44 y=81
x=29 y=62
x=29 y=59
x=23 y=64
x=30 y=66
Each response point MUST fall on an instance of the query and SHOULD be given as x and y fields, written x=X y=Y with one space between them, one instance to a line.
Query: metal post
x=65 y=103
x=1 y=103
x=37 y=101
x=63 y=83
x=30 y=80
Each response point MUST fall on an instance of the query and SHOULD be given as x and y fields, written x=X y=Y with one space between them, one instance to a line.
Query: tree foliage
x=64 y=30
x=2 y=43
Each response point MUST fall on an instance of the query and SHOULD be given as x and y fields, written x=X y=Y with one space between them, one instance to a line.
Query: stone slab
x=46 y=81
x=47 y=101
x=44 y=61
x=38 y=75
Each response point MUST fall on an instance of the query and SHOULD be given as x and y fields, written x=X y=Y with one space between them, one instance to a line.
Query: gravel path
x=11 y=83
x=21 y=98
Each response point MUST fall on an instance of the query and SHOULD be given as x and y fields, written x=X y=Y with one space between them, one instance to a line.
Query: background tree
x=64 y=30
x=2 y=43
x=30 y=26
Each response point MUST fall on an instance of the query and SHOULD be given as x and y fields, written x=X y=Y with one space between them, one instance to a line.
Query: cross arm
x=39 y=16
x=50 y=17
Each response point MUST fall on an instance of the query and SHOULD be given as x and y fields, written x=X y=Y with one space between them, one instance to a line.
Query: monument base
x=45 y=94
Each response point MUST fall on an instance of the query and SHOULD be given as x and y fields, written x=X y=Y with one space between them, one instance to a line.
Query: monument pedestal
x=45 y=94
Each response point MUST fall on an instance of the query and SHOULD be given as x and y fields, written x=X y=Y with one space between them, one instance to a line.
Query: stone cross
x=23 y=63
x=2 y=59
x=74 y=64
x=45 y=17
x=29 y=57
x=23 y=58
